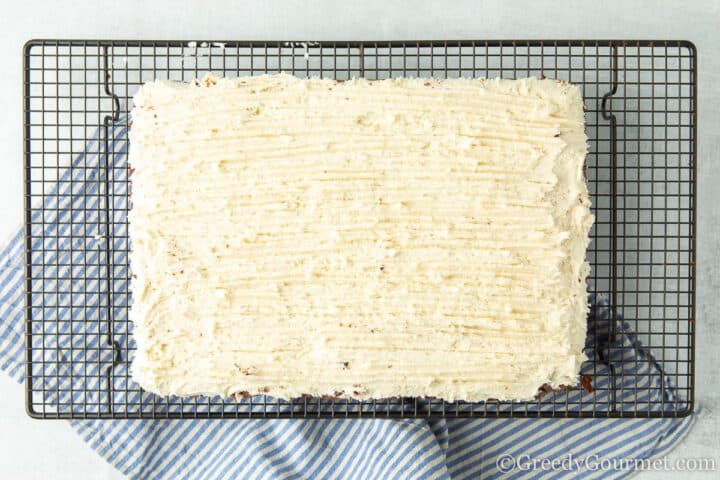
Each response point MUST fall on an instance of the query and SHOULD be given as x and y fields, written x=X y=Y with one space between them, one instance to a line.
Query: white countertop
x=50 y=449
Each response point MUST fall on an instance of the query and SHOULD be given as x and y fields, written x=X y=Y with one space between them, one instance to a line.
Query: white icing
x=390 y=238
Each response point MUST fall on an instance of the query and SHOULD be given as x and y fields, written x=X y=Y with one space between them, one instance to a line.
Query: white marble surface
x=42 y=450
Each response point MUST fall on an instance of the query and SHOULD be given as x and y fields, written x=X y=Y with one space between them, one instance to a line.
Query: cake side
x=362 y=239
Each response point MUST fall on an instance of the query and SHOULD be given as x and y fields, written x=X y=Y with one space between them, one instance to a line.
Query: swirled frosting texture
x=405 y=237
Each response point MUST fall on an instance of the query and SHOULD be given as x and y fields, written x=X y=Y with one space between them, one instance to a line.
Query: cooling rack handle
x=106 y=175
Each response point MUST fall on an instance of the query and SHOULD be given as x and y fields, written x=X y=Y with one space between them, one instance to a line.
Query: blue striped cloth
x=368 y=448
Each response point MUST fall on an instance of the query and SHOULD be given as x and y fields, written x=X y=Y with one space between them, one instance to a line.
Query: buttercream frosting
x=365 y=239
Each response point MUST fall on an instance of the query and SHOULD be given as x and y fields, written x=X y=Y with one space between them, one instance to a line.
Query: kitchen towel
x=342 y=448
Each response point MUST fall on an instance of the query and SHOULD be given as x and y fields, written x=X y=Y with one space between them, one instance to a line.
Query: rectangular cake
x=360 y=239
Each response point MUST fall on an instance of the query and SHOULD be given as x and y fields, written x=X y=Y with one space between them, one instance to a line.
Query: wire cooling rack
x=641 y=123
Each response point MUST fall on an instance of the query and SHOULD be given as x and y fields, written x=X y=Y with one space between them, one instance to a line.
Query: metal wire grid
x=641 y=123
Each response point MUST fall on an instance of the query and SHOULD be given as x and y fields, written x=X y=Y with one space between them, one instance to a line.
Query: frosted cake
x=405 y=237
